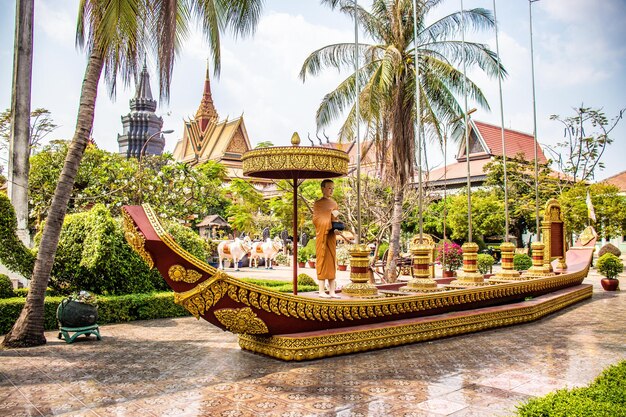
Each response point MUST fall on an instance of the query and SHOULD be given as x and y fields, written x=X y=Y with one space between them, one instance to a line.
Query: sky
x=579 y=55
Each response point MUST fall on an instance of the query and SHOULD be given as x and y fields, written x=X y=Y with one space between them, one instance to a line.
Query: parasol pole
x=358 y=136
x=506 y=187
x=532 y=67
x=418 y=122
x=467 y=136
x=295 y=234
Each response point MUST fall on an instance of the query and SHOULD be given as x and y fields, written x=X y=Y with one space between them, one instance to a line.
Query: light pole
x=139 y=167
x=160 y=132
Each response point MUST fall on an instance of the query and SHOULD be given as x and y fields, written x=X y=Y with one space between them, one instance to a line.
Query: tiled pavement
x=184 y=367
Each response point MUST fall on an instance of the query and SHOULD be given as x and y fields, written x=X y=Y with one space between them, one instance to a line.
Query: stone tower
x=141 y=123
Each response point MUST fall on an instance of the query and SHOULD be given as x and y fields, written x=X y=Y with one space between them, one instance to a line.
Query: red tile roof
x=458 y=170
x=516 y=142
x=619 y=180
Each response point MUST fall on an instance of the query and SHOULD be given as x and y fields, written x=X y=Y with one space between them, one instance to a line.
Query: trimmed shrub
x=189 y=240
x=484 y=263
x=610 y=265
x=6 y=287
x=305 y=280
x=94 y=256
x=609 y=248
x=111 y=309
x=13 y=254
x=522 y=262
x=602 y=398
x=282 y=259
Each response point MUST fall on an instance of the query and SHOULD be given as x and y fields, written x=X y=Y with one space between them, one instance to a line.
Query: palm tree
x=387 y=82
x=115 y=34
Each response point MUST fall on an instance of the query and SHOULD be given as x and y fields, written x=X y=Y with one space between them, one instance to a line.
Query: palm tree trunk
x=19 y=145
x=394 y=241
x=28 y=330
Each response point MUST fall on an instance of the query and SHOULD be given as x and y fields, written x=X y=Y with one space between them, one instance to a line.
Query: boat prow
x=296 y=327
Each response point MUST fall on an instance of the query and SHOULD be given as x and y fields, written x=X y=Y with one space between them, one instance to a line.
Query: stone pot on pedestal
x=73 y=314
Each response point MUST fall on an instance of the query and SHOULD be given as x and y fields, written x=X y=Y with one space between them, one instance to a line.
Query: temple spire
x=143 y=91
x=206 y=112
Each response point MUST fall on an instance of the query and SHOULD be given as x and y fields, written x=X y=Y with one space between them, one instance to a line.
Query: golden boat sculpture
x=299 y=327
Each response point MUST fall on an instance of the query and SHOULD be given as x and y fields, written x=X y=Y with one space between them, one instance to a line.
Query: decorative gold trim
x=179 y=273
x=241 y=321
x=295 y=158
x=135 y=239
x=353 y=340
x=207 y=293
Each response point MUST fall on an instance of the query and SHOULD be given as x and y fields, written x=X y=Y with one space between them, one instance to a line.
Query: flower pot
x=342 y=267
x=449 y=274
x=301 y=264
x=311 y=264
x=73 y=314
x=610 y=284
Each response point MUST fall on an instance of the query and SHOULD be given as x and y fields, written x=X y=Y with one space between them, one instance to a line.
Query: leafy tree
x=41 y=125
x=264 y=144
x=115 y=34
x=609 y=206
x=521 y=188
x=246 y=203
x=586 y=139
x=387 y=81
x=174 y=189
x=488 y=218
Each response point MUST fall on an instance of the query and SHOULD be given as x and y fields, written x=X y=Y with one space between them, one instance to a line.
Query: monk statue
x=325 y=212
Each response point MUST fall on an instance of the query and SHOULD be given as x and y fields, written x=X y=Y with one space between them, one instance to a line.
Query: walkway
x=184 y=367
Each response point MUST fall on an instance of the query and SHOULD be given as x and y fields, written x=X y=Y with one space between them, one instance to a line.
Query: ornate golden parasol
x=295 y=163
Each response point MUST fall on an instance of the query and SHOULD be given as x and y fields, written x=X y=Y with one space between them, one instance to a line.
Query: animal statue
x=266 y=250
x=234 y=250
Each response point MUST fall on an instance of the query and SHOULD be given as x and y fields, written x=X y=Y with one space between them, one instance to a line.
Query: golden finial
x=295 y=139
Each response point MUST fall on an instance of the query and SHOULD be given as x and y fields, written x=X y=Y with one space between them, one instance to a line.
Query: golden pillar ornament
x=470 y=275
x=359 y=274
x=507 y=250
x=421 y=281
x=538 y=269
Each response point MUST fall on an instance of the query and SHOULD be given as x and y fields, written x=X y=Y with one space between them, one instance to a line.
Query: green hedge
x=604 y=397
x=280 y=286
x=111 y=309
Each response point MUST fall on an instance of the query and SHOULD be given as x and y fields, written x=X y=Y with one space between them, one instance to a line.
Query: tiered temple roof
x=141 y=123
x=206 y=138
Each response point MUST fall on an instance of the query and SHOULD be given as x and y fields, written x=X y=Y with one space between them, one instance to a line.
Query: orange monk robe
x=325 y=240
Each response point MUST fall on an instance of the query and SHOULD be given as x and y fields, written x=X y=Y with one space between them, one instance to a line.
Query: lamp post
x=160 y=132
x=141 y=152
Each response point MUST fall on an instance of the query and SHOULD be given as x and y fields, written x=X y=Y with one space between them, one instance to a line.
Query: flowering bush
x=453 y=255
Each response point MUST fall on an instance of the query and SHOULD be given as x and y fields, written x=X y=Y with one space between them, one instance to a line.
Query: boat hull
x=259 y=314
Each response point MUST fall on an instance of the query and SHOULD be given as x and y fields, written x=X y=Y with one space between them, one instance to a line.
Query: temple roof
x=486 y=141
x=618 y=180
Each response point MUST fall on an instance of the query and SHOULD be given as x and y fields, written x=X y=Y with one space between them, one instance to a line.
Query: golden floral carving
x=135 y=239
x=241 y=321
x=315 y=347
x=179 y=273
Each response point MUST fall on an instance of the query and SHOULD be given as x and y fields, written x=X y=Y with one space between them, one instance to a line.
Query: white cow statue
x=267 y=250
x=234 y=250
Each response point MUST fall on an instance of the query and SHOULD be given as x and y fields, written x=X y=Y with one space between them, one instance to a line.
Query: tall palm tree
x=115 y=34
x=387 y=82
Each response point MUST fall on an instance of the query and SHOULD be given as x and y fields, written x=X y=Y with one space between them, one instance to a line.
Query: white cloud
x=56 y=21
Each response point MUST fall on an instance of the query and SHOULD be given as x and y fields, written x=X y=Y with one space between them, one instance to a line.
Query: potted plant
x=312 y=262
x=302 y=258
x=610 y=266
x=343 y=257
x=450 y=257
x=78 y=310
